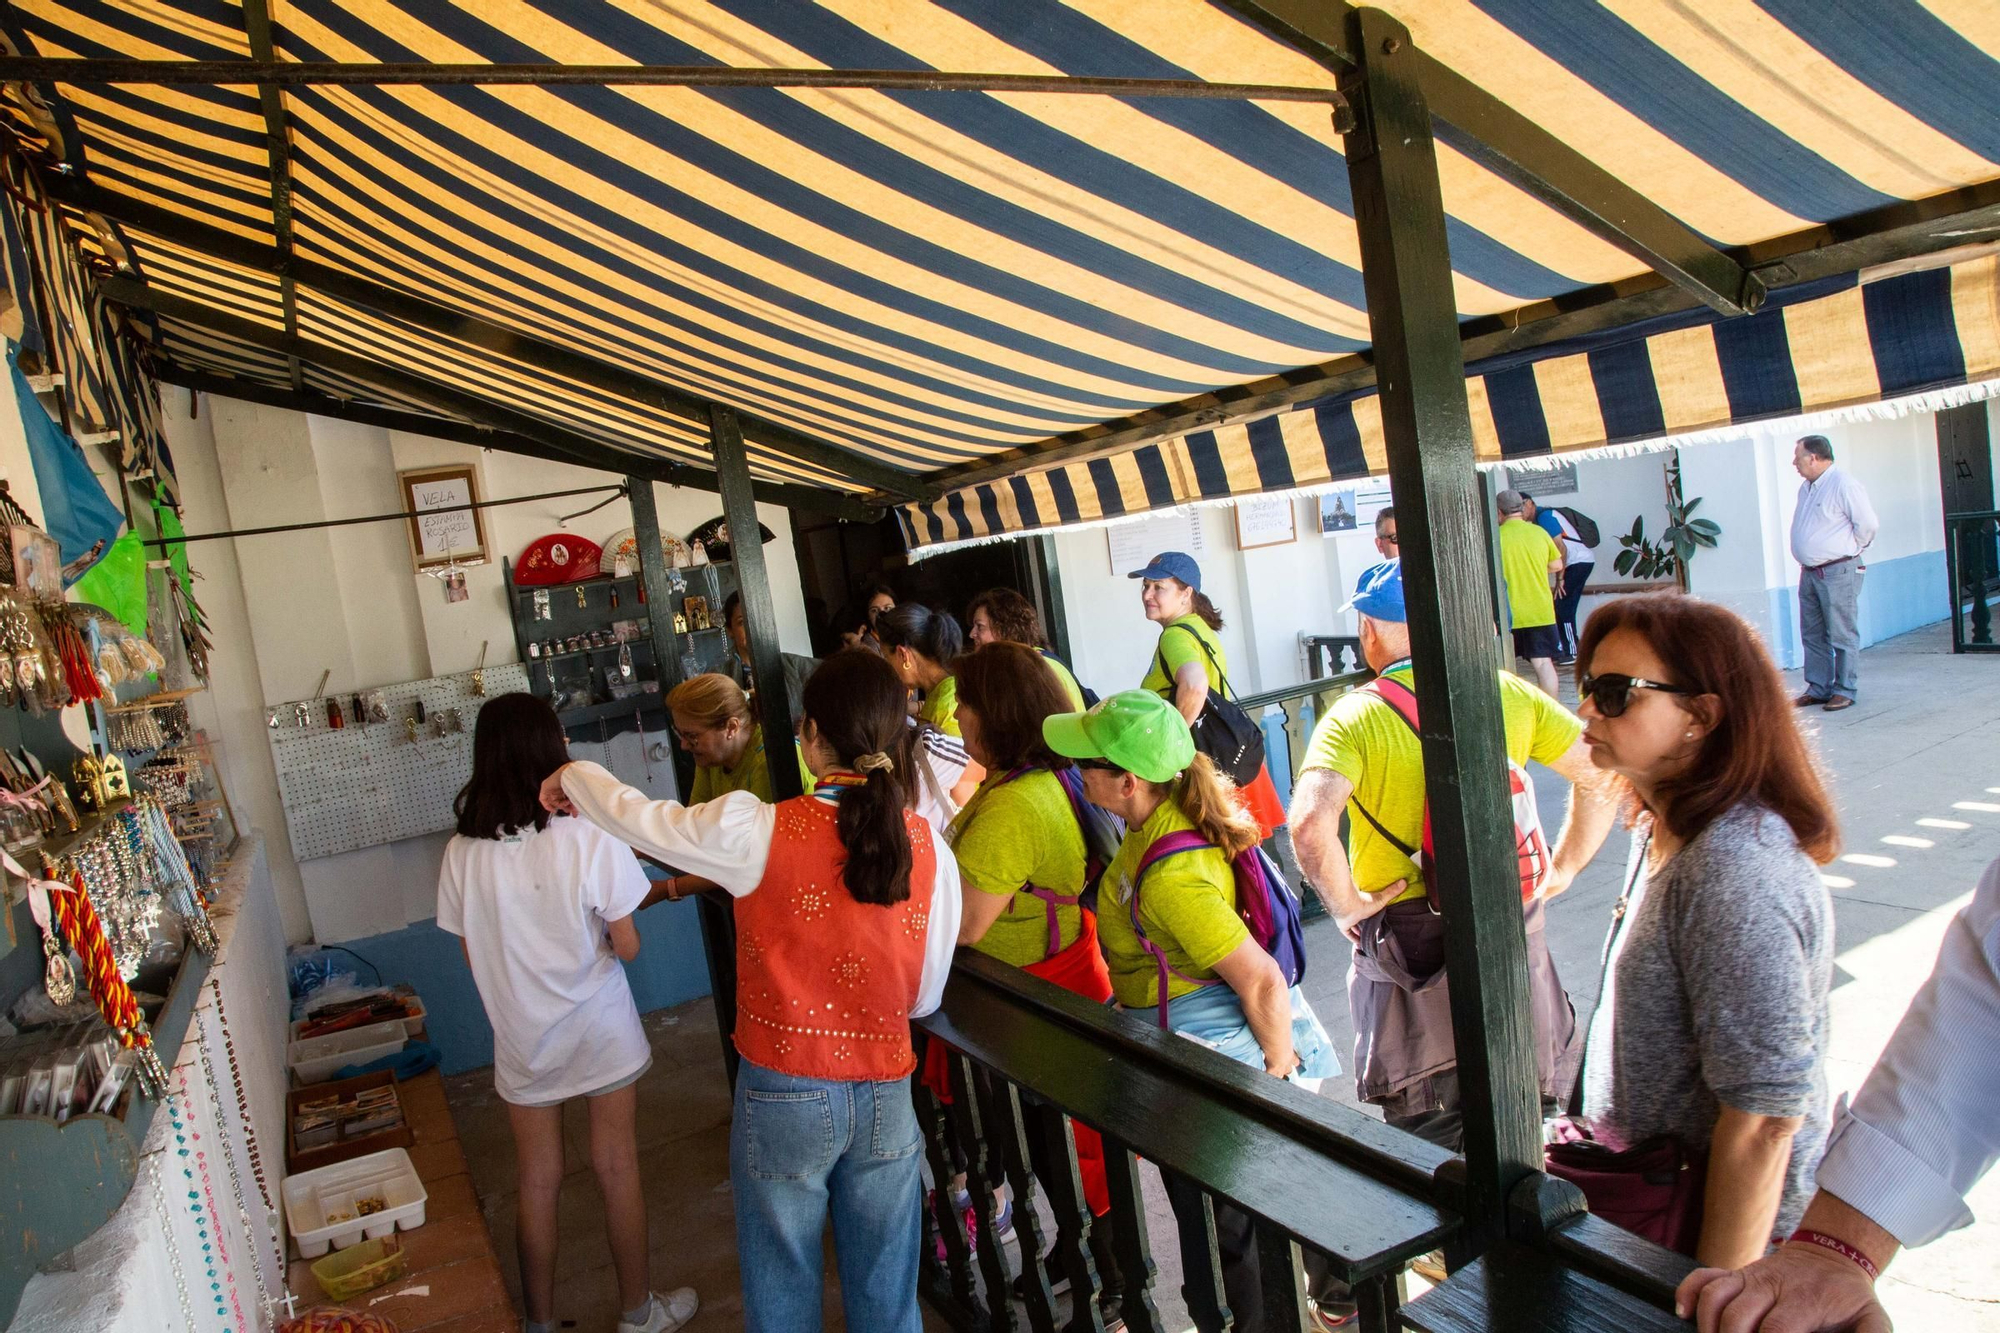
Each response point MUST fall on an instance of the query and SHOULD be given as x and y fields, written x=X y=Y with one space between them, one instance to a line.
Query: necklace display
x=108 y=989
x=223 y=1150
x=173 y=1243
x=175 y=1102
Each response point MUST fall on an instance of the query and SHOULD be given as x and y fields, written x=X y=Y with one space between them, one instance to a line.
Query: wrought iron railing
x=1026 y=1058
x=1972 y=571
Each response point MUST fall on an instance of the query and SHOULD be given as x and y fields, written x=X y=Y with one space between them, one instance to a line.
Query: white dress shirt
x=728 y=840
x=1833 y=520
x=1925 y=1126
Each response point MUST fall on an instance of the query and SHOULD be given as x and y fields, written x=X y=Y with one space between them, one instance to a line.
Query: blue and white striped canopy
x=932 y=279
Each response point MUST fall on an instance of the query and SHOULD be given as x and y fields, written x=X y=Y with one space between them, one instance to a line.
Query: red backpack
x=1531 y=846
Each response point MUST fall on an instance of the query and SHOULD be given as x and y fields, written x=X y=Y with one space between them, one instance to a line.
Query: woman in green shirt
x=1221 y=987
x=1002 y=615
x=1189 y=661
x=711 y=715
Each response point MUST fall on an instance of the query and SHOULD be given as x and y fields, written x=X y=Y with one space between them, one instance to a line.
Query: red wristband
x=1803 y=1236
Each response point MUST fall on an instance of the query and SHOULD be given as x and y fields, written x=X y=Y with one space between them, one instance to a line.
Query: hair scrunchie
x=868 y=763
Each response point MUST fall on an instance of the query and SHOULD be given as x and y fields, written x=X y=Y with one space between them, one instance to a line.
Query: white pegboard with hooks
x=363 y=784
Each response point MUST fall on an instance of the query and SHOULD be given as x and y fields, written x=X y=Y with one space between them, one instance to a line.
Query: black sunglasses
x=1101 y=765
x=1613 y=693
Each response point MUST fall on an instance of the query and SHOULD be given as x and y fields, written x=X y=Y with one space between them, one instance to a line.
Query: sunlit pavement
x=1915 y=768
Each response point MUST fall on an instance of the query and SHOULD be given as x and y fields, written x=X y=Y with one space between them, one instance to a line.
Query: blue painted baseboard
x=669 y=970
x=1897 y=596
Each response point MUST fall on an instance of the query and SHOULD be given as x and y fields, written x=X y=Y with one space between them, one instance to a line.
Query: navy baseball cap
x=1379 y=594
x=1171 y=565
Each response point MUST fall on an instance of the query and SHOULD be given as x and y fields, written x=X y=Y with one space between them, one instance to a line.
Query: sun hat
x=1134 y=729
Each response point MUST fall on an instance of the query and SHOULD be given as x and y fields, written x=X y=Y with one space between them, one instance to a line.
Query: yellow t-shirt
x=1188 y=907
x=941 y=706
x=1363 y=740
x=1179 y=648
x=751 y=773
x=1526 y=551
x=1014 y=834
x=1067 y=679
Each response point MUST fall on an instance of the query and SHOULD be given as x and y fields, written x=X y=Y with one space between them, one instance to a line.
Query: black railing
x=1972 y=571
x=1026 y=1058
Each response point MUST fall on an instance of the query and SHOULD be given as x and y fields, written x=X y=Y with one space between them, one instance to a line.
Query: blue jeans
x=799 y=1146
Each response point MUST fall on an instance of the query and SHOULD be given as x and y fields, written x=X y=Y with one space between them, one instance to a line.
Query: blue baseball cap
x=1379 y=594
x=1171 y=565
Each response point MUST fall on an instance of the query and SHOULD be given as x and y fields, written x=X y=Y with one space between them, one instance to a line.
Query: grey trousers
x=1827 y=600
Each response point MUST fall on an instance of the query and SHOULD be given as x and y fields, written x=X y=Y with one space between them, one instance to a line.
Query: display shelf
x=644 y=702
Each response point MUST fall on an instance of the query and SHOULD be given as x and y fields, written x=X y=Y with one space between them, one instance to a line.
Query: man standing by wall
x=1529 y=557
x=1832 y=526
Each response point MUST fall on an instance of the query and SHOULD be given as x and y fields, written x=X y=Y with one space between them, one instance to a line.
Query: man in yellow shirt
x=1529 y=560
x=1363 y=752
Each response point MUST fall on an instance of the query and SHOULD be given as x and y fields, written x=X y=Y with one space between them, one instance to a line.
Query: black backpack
x=1585 y=525
x=1223 y=732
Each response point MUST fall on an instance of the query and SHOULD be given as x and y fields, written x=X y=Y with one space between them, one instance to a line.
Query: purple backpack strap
x=1051 y=900
x=1171 y=844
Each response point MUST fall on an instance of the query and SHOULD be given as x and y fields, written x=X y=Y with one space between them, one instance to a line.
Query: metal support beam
x=1528 y=155
x=318 y=73
x=509 y=429
x=718 y=934
x=227 y=248
x=760 y=615
x=278 y=147
x=1406 y=266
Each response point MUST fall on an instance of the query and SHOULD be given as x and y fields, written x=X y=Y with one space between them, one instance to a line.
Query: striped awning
x=920 y=282
x=1845 y=342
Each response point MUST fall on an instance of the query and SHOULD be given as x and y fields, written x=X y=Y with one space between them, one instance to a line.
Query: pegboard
x=365 y=784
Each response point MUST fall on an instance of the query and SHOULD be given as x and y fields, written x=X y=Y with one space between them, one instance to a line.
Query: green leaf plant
x=1684 y=535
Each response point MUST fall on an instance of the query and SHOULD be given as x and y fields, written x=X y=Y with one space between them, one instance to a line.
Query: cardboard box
x=344 y=1147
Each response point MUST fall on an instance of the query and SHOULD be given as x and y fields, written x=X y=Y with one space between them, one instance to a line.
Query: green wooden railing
x=1972 y=567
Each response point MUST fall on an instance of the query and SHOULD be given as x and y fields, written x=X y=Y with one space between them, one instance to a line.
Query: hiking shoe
x=1430 y=1267
x=1322 y=1315
x=1837 y=702
x=1809 y=700
x=668 y=1312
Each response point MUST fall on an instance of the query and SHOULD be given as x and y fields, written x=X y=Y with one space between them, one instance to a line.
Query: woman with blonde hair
x=712 y=717
x=1179 y=953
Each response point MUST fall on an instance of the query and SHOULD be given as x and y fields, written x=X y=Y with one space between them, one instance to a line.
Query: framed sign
x=1557 y=480
x=1132 y=544
x=1265 y=520
x=1353 y=507
x=458 y=535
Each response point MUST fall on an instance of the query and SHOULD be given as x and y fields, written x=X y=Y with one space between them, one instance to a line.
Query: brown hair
x=1754 y=750
x=1012 y=616
x=1012 y=689
x=1208 y=799
x=709 y=701
x=1206 y=610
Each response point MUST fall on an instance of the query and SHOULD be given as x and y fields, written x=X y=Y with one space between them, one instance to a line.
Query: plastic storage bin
x=322 y=1208
x=319 y=1058
x=348 y=1273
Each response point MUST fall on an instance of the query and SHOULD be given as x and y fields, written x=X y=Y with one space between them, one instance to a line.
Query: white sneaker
x=668 y=1313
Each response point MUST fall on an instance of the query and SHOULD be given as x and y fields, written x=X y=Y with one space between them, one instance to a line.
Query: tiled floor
x=454 y=1283
x=684 y=1153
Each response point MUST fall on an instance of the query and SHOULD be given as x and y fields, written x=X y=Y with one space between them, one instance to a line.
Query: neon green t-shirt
x=1363 y=740
x=1067 y=679
x=1526 y=552
x=1014 y=834
x=751 y=773
x=1188 y=907
x=1180 y=647
x=941 y=706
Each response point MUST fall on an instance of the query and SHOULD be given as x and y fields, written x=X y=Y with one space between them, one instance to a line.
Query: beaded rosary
x=174 y=1102
x=265 y=1302
x=220 y=1237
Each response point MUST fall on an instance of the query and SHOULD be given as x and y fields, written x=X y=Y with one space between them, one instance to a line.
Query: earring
x=1690 y=736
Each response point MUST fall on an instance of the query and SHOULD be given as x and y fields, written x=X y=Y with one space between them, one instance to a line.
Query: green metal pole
x=1406 y=269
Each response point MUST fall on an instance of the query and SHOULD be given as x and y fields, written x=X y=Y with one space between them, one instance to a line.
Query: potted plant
x=1671 y=555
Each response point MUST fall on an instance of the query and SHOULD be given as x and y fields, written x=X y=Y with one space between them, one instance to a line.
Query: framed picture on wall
x=1265 y=520
x=451 y=534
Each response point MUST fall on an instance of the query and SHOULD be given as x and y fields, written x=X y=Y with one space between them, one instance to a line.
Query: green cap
x=1135 y=729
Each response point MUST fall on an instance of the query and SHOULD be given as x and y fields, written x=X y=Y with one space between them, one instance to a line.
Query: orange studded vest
x=824 y=984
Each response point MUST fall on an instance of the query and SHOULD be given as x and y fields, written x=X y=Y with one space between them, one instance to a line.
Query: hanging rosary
x=108 y=989
x=223 y=1149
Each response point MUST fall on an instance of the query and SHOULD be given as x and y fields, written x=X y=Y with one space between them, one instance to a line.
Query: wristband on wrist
x=1805 y=1236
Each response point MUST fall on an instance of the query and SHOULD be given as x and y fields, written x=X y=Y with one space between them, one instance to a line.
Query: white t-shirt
x=533 y=909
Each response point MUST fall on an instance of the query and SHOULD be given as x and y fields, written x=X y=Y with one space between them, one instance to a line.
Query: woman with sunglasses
x=846 y=913
x=1712 y=1024
x=712 y=718
x=1179 y=954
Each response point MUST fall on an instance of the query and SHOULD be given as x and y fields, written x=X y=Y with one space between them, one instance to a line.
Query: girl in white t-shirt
x=543 y=907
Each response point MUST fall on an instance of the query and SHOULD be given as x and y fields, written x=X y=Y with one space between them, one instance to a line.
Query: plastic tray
x=413 y=1025
x=348 y=1273
x=311 y=1196
x=319 y=1058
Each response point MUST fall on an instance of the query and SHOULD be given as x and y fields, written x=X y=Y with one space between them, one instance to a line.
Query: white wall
x=287 y=607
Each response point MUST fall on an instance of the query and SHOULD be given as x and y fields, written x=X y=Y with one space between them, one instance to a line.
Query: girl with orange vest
x=846 y=914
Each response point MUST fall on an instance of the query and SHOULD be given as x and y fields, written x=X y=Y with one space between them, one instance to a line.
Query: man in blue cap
x=1364 y=754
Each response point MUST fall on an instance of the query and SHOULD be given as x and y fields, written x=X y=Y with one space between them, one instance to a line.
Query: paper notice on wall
x=439 y=535
x=1537 y=482
x=1133 y=544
